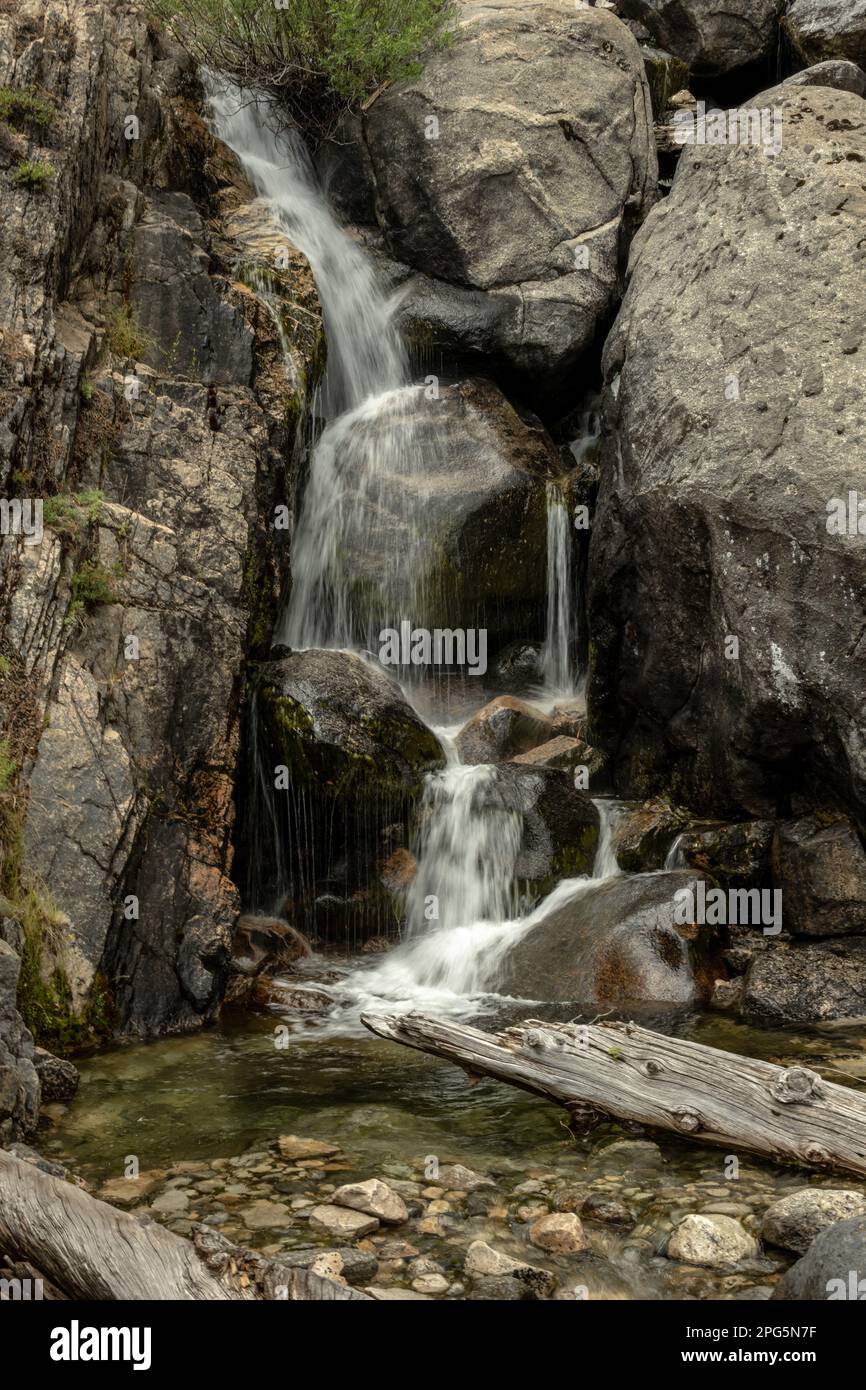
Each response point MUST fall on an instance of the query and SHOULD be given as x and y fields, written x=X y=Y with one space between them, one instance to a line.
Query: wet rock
x=834 y=1266
x=430 y=1284
x=535 y=294
x=643 y=835
x=485 y=1262
x=794 y=1221
x=601 y=1207
x=58 y=1077
x=729 y=737
x=127 y=1192
x=266 y=944
x=517 y=665
x=787 y=985
x=501 y=1288
x=170 y=1203
x=375 y=1198
x=355 y=755
x=341 y=1222
x=298 y=1146
x=262 y=1215
x=560 y=824
x=613 y=943
x=561 y=752
x=736 y=856
x=711 y=36
x=821 y=870
x=503 y=728
x=457 y=1178
x=712 y=1241
x=821 y=29
x=357 y=1267
x=559 y=1232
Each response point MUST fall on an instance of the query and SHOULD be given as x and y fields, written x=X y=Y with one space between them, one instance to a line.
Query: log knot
x=687 y=1121
x=797 y=1085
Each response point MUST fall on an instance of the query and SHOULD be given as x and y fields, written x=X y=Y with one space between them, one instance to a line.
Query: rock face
x=712 y=36
x=559 y=824
x=821 y=870
x=795 y=1221
x=835 y=72
x=535 y=121
x=19 y=1082
x=146 y=400
x=827 y=29
x=803 y=984
x=834 y=1266
x=613 y=943
x=735 y=381
x=339 y=763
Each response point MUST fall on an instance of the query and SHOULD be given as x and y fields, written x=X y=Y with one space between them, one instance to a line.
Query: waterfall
x=379 y=431
x=675 y=858
x=466 y=852
x=558 y=662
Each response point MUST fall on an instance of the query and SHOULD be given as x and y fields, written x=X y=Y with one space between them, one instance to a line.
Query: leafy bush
x=321 y=57
x=126 y=338
x=67 y=512
x=93 y=583
x=23 y=106
x=33 y=173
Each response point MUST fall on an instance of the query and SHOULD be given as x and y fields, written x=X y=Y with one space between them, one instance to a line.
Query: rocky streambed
x=387 y=1168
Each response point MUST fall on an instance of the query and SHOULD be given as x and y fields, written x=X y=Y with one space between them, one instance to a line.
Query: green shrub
x=23 y=106
x=319 y=58
x=33 y=173
x=8 y=765
x=67 y=512
x=126 y=338
x=93 y=583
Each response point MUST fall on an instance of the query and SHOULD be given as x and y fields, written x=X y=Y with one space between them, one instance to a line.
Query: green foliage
x=8 y=766
x=93 y=583
x=23 y=106
x=320 y=59
x=126 y=338
x=66 y=513
x=44 y=997
x=34 y=174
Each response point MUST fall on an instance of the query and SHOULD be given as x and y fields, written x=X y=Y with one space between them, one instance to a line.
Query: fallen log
x=91 y=1250
x=789 y=1115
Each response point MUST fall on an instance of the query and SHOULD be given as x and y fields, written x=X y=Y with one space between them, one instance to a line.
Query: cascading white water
x=453 y=966
x=365 y=352
x=466 y=852
x=558 y=658
x=358 y=486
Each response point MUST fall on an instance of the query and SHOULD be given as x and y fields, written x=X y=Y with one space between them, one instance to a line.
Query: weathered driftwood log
x=91 y=1250
x=741 y=1104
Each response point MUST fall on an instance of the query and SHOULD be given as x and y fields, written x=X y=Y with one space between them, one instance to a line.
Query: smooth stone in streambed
x=713 y=1242
x=375 y=1198
x=342 y=1222
x=261 y=1215
x=560 y=1232
x=793 y=1222
x=356 y=1266
x=454 y=1177
x=500 y=1289
x=169 y=1203
x=125 y=1192
x=396 y=1295
x=430 y=1284
x=296 y=1146
x=485 y=1262
x=599 y=1207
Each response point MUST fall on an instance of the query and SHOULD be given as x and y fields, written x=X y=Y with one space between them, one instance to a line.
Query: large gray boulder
x=535 y=122
x=614 y=943
x=724 y=613
x=19 y=1082
x=833 y=1268
x=794 y=1221
x=712 y=36
x=834 y=72
x=828 y=29
x=793 y=985
x=821 y=870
